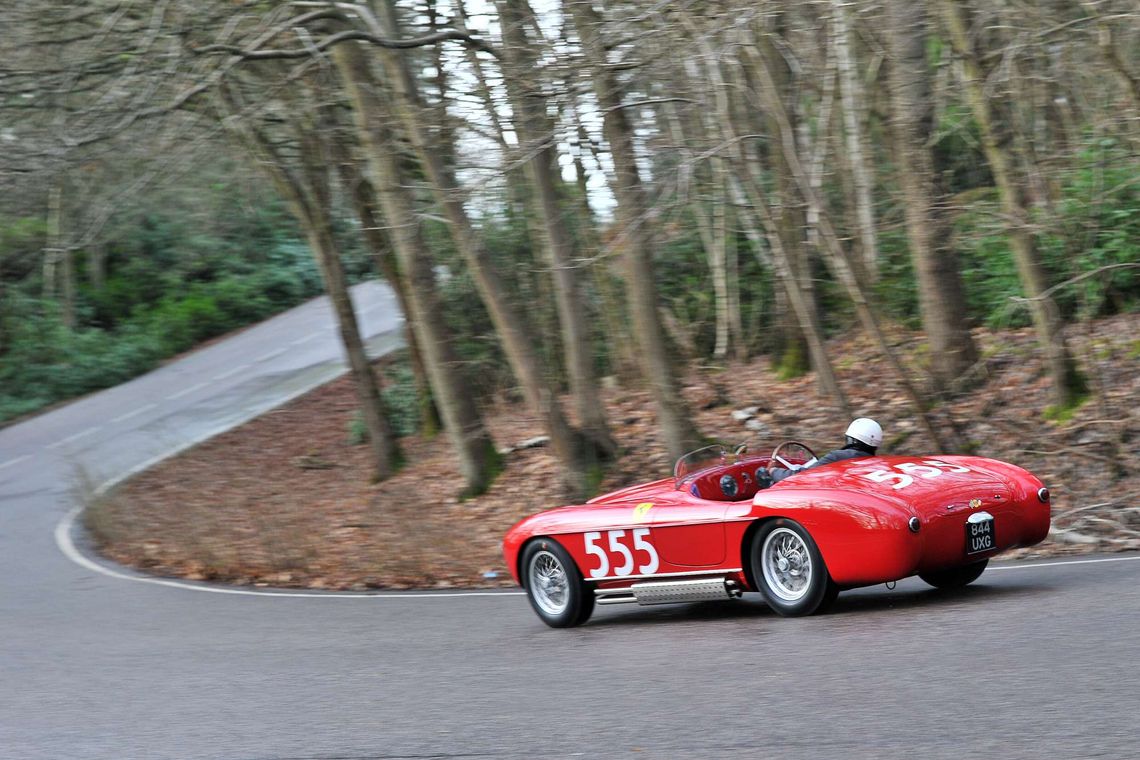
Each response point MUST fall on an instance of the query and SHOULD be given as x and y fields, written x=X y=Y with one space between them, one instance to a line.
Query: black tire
x=782 y=588
x=559 y=604
x=955 y=577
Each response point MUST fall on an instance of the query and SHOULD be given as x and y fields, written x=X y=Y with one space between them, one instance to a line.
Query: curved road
x=1037 y=660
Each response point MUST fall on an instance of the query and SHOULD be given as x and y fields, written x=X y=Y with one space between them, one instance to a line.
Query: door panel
x=691 y=535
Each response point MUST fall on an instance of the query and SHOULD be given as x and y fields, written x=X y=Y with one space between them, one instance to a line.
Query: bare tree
x=673 y=415
x=941 y=296
x=537 y=135
x=365 y=204
x=475 y=451
x=305 y=186
x=852 y=97
x=573 y=450
x=837 y=257
x=1068 y=384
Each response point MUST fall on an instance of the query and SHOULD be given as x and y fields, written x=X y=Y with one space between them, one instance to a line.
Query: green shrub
x=241 y=300
x=357 y=430
x=399 y=395
x=1095 y=224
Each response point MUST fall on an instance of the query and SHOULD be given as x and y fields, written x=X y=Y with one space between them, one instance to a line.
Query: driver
x=863 y=438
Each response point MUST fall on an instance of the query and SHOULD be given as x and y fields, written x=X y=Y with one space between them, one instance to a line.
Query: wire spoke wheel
x=554 y=584
x=787 y=564
x=788 y=569
x=549 y=583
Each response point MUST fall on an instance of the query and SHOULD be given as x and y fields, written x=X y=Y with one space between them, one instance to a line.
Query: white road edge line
x=17 y=460
x=271 y=355
x=73 y=438
x=66 y=545
x=135 y=413
x=304 y=339
x=186 y=391
x=230 y=373
x=1069 y=562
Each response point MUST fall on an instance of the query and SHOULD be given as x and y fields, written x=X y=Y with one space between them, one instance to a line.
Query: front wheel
x=955 y=577
x=554 y=586
x=789 y=571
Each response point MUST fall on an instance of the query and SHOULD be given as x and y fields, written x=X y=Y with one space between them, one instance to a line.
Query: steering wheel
x=785 y=463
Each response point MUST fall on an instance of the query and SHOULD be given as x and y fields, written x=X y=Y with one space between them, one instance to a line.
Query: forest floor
x=285 y=499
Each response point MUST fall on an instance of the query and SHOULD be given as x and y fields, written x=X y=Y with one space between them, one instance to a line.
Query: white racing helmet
x=867 y=431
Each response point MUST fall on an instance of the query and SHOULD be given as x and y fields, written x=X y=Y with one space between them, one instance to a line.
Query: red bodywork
x=856 y=510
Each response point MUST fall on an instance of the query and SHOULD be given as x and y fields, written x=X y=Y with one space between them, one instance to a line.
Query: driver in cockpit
x=863 y=438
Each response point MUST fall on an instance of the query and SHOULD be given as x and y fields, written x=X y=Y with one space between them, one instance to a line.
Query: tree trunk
x=941 y=295
x=97 y=264
x=707 y=203
x=749 y=195
x=673 y=414
x=790 y=209
x=536 y=136
x=59 y=260
x=516 y=188
x=1068 y=384
x=474 y=449
x=836 y=256
x=308 y=198
x=1130 y=82
x=623 y=360
x=315 y=161
x=364 y=203
x=851 y=96
x=515 y=332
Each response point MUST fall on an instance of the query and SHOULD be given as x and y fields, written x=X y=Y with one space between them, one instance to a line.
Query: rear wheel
x=955 y=577
x=554 y=586
x=789 y=571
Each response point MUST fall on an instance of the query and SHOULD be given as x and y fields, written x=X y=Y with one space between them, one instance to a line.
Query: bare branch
x=444 y=35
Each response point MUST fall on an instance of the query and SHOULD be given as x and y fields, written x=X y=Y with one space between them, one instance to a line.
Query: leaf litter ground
x=285 y=499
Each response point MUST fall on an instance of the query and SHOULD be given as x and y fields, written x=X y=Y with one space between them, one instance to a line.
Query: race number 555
x=903 y=474
x=620 y=557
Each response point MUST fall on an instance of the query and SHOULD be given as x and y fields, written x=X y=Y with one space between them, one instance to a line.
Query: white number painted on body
x=947 y=467
x=617 y=547
x=592 y=548
x=921 y=470
x=622 y=552
x=903 y=474
x=640 y=544
x=885 y=476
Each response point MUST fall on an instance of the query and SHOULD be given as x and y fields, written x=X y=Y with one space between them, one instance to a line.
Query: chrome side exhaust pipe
x=671 y=592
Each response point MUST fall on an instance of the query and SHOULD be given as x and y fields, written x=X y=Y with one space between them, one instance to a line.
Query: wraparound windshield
x=716 y=455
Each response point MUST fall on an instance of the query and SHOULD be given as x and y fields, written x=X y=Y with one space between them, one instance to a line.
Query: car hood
x=642 y=492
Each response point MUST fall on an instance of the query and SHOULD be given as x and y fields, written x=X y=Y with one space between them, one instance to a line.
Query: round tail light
x=1043 y=495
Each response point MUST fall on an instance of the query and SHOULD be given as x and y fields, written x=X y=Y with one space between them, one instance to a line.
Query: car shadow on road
x=876 y=598
x=851 y=603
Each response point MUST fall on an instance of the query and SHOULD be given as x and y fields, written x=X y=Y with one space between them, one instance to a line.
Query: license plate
x=979 y=533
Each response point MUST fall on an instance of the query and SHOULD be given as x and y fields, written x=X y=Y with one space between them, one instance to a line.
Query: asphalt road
x=1034 y=661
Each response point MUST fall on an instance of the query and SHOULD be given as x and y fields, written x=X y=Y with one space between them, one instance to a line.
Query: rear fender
x=863 y=539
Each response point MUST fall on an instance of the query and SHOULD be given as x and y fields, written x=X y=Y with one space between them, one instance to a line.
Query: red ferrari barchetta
x=709 y=533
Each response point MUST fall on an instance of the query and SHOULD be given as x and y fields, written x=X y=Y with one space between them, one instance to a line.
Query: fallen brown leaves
x=284 y=500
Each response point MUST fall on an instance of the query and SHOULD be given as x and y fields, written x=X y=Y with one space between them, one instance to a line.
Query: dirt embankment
x=285 y=499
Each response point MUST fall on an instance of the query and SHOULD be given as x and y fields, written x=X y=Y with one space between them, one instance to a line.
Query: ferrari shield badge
x=975 y=503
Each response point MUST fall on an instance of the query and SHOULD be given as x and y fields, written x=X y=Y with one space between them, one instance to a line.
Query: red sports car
x=709 y=533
